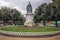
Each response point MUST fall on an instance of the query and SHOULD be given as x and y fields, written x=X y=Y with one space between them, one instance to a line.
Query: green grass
x=20 y=29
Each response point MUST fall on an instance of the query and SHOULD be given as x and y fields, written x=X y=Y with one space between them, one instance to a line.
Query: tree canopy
x=7 y=14
x=48 y=12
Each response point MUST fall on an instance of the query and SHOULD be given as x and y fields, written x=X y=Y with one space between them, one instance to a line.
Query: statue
x=29 y=8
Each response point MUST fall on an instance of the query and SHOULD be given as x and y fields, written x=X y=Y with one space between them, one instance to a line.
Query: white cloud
x=3 y=3
x=7 y=4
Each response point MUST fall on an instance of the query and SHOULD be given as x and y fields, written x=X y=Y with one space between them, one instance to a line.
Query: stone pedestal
x=29 y=20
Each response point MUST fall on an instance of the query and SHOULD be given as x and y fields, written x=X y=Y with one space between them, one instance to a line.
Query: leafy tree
x=40 y=13
x=10 y=14
x=48 y=12
x=56 y=4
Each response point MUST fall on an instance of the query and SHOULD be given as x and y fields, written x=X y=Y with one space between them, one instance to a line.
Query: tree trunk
x=4 y=23
x=56 y=23
x=14 y=22
x=44 y=23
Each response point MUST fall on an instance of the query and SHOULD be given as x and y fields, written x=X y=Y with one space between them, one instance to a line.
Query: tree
x=56 y=10
x=48 y=12
x=40 y=13
x=10 y=14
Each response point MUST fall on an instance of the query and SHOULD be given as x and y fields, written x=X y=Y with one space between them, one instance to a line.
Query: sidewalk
x=20 y=38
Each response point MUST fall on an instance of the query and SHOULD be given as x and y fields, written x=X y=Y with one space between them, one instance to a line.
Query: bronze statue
x=29 y=8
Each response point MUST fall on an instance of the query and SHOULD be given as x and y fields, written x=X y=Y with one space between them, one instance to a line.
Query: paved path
x=20 y=38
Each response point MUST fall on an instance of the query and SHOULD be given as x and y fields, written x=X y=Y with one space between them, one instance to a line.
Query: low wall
x=29 y=33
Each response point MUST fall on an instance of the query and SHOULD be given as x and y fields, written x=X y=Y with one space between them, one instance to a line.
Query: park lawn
x=19 y=29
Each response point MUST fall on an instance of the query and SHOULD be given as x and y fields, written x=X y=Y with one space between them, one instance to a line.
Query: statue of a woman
x=29 y=8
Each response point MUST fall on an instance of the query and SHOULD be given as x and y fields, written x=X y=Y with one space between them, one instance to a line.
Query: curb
x=29 y=34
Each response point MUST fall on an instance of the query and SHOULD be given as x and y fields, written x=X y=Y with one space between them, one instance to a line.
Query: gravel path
x=20 y=38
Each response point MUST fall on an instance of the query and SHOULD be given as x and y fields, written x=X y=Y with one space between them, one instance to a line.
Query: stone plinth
x=29 y=20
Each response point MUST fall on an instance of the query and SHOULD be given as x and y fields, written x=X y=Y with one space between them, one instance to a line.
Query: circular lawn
x=23 y=29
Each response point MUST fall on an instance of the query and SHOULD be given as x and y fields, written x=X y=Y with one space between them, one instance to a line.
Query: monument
x=29 y=16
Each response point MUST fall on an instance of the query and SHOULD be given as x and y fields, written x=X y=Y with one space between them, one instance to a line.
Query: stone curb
x=29 y=33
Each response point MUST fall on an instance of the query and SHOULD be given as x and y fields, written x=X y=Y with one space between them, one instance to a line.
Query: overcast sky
x=21 y=4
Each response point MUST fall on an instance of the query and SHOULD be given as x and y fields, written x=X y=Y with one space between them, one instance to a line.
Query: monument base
x=29 y=20
x=29 y=24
